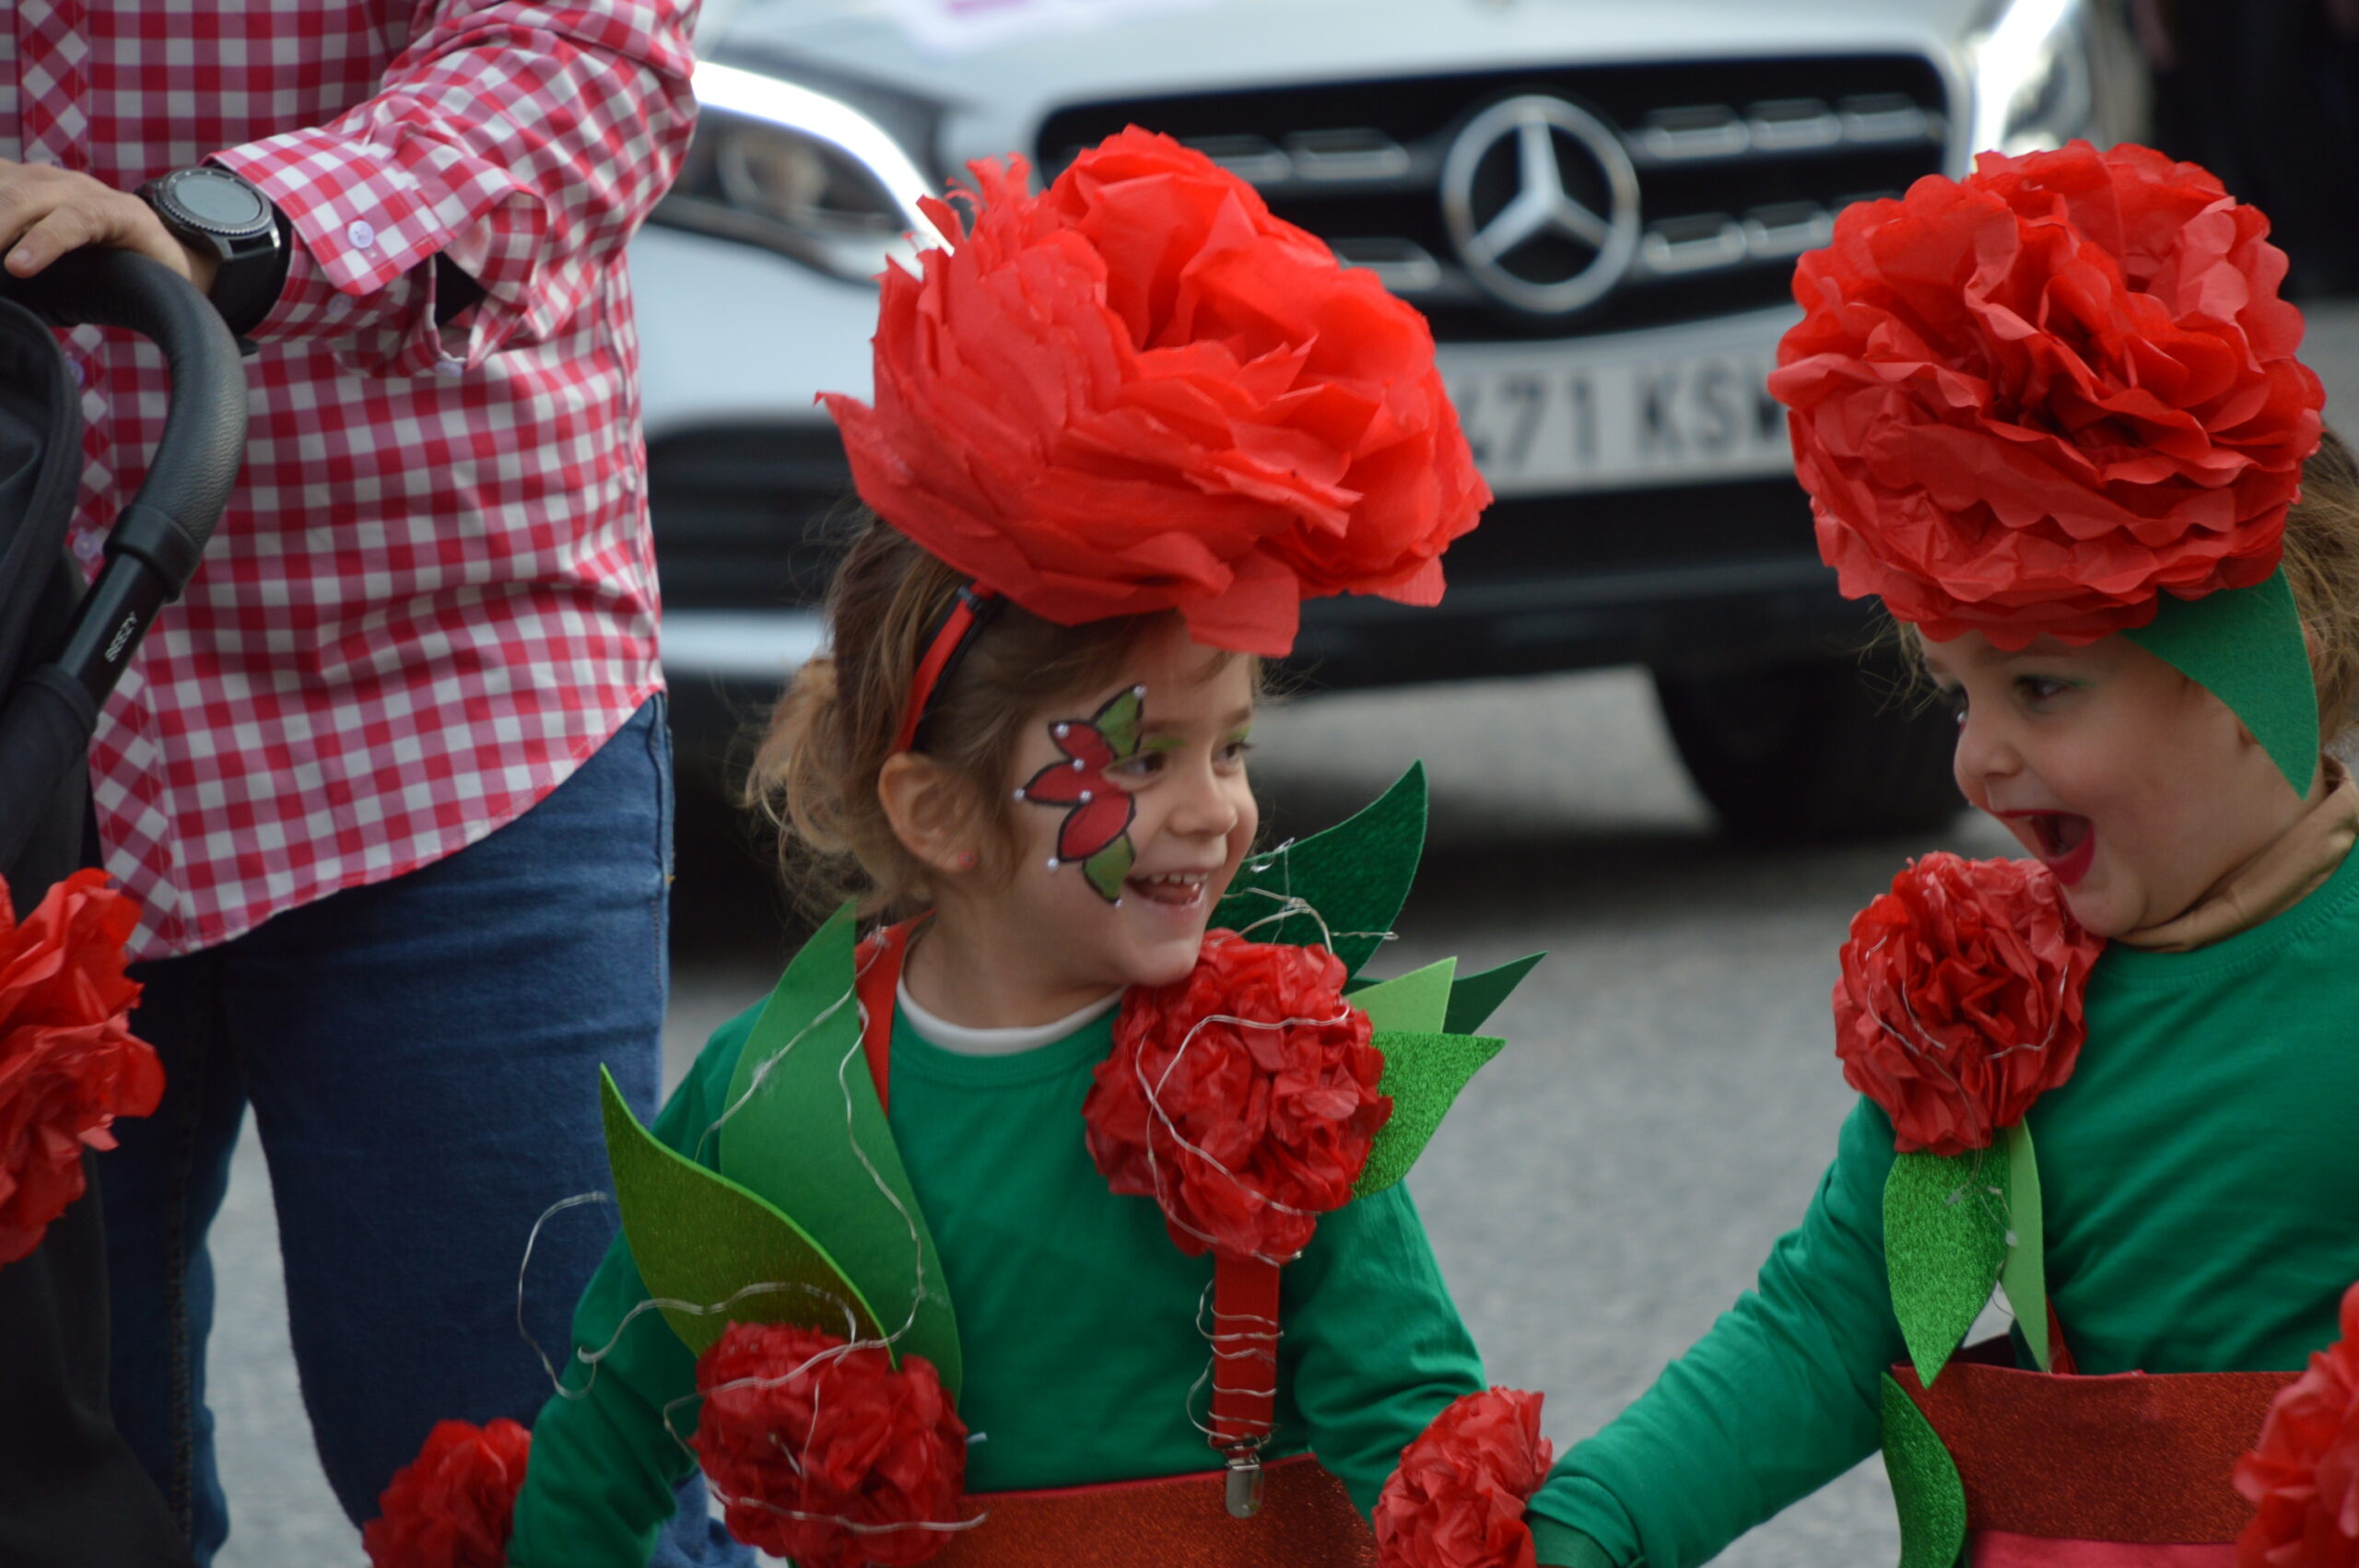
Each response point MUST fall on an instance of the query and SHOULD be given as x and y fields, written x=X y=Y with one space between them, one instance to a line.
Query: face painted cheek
x=1094 y=838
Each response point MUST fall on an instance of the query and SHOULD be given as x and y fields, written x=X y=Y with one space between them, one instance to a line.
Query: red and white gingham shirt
x=433 y=593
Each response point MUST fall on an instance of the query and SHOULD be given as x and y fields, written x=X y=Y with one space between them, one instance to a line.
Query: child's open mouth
x=1174 y=890
x=2067 y=842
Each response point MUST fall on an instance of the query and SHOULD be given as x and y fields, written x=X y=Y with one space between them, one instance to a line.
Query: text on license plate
x=1594 y=427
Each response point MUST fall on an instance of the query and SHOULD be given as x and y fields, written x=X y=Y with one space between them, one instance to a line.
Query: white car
x=1597 y=202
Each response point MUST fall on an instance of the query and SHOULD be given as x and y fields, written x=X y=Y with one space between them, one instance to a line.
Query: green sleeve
x=1373 y=1348
x=1780 y=1396
x=599 y=1485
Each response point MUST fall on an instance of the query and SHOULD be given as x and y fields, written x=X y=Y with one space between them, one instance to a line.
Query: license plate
x=1549 y=422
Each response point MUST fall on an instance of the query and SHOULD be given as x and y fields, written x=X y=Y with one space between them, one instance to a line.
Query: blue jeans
x=422 y=1058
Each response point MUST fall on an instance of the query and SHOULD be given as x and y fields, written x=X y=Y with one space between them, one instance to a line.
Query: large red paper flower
x=2303 y=1474
x=1140 y=391
x=1457 y=1500
x=2034 y=400
x=454 y=1506
x=1959 y=1004
x=1245 y=1132
x=70 y=1064
x=825 y=1453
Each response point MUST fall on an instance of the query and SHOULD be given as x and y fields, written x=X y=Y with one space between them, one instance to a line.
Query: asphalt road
x=1598 y=1194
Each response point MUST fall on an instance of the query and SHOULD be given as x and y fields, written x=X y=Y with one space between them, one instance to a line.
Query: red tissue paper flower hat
x=2060 y=396
x=1138 y=391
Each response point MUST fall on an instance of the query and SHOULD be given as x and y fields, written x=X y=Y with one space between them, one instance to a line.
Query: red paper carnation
x=2304 y=1475
x=1457 y=1500
x=454 y=1506
x=70 y=1064
x=1140 y=391
x=823 y=1452
x=2034 y=400
x=1244 y=1132
x=1959 y=1004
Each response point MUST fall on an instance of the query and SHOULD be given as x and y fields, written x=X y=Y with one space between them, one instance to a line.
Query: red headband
x=965 y=616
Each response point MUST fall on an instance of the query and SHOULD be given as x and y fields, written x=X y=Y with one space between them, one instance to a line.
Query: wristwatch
x=209 y=208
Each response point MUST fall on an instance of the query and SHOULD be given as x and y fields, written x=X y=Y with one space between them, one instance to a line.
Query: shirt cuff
x=368 y=225
x=1561 y=1546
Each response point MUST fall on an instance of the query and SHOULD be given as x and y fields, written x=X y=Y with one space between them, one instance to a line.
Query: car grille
x=747 y=516
x=1741 y=166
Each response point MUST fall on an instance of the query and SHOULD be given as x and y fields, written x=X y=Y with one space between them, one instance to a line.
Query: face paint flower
x=1096 y=833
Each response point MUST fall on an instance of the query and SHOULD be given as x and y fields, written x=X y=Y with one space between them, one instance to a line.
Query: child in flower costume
x=2050 y=415
x=1056 y=1221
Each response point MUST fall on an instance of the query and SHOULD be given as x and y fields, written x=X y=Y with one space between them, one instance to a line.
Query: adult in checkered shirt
x=392 y=782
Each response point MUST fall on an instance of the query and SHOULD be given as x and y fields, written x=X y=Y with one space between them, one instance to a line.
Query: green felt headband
x=2245 y=646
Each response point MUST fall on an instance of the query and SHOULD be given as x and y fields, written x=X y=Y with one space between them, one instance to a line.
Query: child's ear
x=928 y=808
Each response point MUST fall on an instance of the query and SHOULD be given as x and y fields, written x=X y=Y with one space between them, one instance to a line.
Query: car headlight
x=2031 y=76
x=779 y=164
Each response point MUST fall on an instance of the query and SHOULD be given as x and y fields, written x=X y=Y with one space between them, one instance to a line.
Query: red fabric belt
x=1307 y=1521
x=2084 y=1462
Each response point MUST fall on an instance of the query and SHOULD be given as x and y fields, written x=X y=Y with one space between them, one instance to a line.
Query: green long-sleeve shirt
x=2199 y=1178
x=1076 y=1314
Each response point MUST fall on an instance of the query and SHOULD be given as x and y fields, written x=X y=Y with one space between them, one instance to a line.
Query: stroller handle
x=196 y=461
x=152 y=549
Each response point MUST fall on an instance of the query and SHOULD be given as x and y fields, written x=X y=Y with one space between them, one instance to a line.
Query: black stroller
x=70 y=1491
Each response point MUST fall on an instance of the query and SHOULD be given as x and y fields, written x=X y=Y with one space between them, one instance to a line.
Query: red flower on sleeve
x=1242 y=1098
x=822 y=1451
x=1458 y=1499
x=1959 y=1001
x=2303 y=1474
x=454 y=1506
x=69 y=1063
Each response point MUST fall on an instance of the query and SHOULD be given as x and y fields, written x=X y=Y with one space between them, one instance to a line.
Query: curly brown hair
x=814 y=775
x=2322 y=568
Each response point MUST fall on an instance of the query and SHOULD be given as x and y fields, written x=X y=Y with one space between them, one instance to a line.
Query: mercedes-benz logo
x=1542 y=203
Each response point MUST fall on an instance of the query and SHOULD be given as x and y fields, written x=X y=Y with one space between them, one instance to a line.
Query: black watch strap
x=207 y=208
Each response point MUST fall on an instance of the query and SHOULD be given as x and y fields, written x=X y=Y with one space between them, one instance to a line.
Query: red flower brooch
x=1959 y=1003
x=1140 y=391
x=2303 y=1474
x=1095 y=832
x=1458 y=1499
x=70 y=1064
x=1242 y=1099
x=823 y=1452
x=454 y=1506
x=2033 y=399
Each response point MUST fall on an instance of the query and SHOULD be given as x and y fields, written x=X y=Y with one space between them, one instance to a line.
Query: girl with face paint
x=1120 y=429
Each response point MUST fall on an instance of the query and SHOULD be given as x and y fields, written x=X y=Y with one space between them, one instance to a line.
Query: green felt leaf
x=1118 y=721
x=1106 y=867
x=1926 y=1489
x=2245 y=646
x=1355 y=875
x=1944 y=1240
x=1474 y=997
x=1423 y=1073
x=797 y=1137
x=702 y=1238
x=2025 y=1275
x=1416 y=1003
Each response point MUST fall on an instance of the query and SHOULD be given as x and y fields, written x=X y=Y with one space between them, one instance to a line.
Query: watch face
x=220 y=202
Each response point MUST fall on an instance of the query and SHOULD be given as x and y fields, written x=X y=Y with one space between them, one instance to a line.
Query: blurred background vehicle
x=1597 y=202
